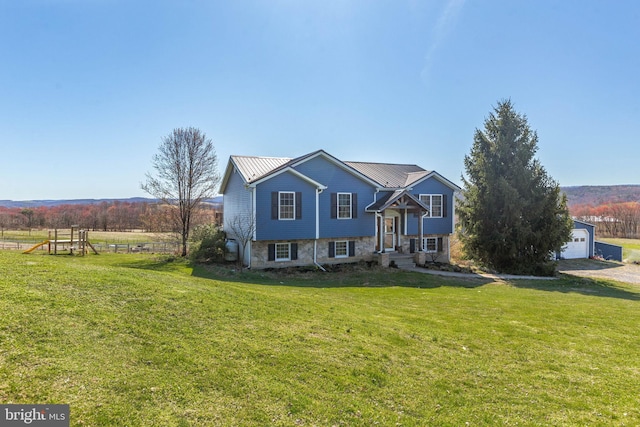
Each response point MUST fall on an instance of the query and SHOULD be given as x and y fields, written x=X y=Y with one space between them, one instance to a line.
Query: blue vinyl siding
x=608 y=251
x=236 y=200
x=274 y=229
x=339 y=180
x=434 y=225
x=319 y=221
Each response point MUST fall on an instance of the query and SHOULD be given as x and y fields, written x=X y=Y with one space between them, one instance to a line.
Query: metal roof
x=386 y=175
x=390 y=175
x=253 y=168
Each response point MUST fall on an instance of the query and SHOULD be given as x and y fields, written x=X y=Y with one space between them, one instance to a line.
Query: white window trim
x=428 y=200
x=350 y=205
x=346 y=247
x=288 y=245
x=425 y=245
x=293 y=216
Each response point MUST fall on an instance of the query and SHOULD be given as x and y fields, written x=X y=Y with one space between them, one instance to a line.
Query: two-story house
x=317 y=209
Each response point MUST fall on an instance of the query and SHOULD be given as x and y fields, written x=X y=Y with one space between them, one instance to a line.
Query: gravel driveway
x=628 y=273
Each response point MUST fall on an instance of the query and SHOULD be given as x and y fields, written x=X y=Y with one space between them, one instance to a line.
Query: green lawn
x=137 y=340
x=630 y=248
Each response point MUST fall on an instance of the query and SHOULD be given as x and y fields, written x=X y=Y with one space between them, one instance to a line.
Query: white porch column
x=420 y=230
x=383 y=232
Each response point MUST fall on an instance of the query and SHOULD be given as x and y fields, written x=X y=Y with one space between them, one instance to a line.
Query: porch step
x=403 y=261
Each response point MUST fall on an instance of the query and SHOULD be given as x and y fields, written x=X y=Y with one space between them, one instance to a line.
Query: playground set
x=75 y=241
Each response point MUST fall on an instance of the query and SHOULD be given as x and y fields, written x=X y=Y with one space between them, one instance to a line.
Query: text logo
x=34 y=415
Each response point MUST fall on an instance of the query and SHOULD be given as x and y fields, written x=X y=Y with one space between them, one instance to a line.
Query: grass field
x=139 y=340
x=630 y=248
x=103 y=237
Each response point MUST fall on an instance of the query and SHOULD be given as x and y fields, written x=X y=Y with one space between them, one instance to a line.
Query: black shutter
x=334 y=205
x=440 y=244
x=298 y=205
x=274 y=205
x=444 y=205
x=332 y=249
x=294 y=251
x=272 y=252
x=412 y=246
x=354 y=205
x=352 y=248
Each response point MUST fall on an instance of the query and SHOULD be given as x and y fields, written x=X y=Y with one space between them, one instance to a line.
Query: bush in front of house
x=208 y=244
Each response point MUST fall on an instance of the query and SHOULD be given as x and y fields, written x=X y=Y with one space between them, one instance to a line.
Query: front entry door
x=390 y=234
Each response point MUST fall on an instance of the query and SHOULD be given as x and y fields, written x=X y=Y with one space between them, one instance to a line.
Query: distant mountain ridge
x=50 y=203
x=592 y=195
x=595 y=195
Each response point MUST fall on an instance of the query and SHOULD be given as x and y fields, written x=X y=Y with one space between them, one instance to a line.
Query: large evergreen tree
x=512 y=214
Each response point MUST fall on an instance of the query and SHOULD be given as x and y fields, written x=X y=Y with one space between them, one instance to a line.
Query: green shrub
x=208 y=244
x=546 y=269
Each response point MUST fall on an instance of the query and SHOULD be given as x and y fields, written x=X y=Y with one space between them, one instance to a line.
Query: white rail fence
x=147 y=247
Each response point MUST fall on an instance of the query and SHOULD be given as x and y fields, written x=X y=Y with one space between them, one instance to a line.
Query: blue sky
x=89 y=87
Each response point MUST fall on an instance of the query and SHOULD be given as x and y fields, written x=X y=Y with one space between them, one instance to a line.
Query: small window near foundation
x=430 y=244
x=342 y=249
x=283 y=252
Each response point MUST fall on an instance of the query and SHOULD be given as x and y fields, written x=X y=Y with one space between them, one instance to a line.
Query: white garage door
x=578 y=247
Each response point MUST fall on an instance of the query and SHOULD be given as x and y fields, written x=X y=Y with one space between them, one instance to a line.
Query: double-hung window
x=430 y=244
x=344 y=205
x=342 y=249
x=283 y=252
x=435 y=204
x=286 y=205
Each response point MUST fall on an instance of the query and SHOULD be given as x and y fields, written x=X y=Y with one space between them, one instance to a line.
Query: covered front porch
x=393 y=213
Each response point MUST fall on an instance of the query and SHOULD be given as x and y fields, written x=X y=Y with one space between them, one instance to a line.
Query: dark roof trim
x=387 y=201
x=442 y=179
x=289 y=169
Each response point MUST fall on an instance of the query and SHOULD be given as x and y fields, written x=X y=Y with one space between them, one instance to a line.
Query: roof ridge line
x=385 y=163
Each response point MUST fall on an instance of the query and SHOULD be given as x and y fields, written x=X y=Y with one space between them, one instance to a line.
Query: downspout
x=255 y=228
x=422 y=224
x=453 y=223
x=315 y=251
x=315 y=241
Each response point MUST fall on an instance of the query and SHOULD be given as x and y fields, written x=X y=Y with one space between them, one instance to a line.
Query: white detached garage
x=578 y=246
x=582 y=241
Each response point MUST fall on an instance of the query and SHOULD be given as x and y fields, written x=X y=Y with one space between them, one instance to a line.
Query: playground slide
x=28 y=251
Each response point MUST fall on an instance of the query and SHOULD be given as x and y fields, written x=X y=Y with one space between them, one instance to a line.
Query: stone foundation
x=424 y=257
x=364 y=251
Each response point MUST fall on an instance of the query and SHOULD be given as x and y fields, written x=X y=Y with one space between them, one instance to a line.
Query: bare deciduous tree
x=186 y=167
x=241 y=228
